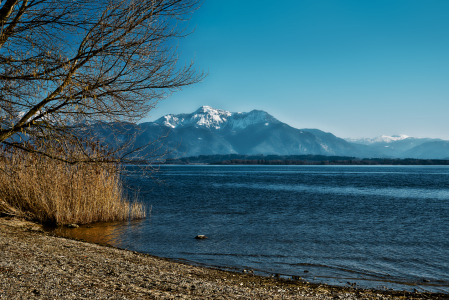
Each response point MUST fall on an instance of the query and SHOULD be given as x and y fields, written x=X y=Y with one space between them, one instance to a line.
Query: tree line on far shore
x=236 y=159
x=367 y=162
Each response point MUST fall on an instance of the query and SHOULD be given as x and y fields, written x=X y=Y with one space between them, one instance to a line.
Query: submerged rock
x=201 y=237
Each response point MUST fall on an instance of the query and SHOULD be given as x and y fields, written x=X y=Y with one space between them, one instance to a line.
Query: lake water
x=377 y=226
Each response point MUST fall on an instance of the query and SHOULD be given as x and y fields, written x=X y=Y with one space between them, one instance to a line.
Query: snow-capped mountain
x=397 y=145
x=379 y=139
x=214 y=131
x=210 y=118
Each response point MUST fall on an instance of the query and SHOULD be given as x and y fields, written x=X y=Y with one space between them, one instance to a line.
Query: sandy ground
x=38 y=265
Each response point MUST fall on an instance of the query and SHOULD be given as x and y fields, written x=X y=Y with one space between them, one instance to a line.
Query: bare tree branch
x=65 y=64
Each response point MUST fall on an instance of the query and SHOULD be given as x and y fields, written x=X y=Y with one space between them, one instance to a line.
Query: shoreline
x=40 y=265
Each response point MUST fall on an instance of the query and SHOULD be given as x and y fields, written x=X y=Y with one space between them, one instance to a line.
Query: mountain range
x=209 y=131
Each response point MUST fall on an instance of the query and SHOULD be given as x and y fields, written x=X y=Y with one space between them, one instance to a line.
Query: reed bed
x=53 y=192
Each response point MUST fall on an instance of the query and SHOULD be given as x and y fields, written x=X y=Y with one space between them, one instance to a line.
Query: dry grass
x=54 y=192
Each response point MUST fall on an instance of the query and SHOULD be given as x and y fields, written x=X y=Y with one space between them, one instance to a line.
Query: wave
x=393 y=192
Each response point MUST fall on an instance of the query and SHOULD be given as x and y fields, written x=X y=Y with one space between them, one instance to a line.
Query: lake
x=376 y=226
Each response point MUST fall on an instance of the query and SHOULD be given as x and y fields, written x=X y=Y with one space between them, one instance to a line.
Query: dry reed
x=50 y=191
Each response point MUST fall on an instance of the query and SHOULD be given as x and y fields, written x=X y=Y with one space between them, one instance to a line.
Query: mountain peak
x=208 y=109
x=211 y=111
x=211 y=118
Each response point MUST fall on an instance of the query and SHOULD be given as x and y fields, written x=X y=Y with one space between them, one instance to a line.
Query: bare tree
x=68 y=63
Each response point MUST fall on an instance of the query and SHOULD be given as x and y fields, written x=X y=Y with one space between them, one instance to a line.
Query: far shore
x=39 y=265
x=260 y=159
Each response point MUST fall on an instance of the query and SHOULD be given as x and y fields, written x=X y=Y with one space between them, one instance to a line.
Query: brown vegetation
x=50 y=191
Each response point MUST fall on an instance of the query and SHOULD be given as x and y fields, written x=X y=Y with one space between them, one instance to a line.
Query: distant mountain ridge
x=210 y=131
x=429 y=150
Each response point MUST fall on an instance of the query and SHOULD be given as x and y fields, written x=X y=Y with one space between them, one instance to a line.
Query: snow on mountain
x=243 y=120
x=380 y=139
x=211 y=118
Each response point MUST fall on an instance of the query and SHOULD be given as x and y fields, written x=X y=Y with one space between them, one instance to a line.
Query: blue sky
x=350 y=67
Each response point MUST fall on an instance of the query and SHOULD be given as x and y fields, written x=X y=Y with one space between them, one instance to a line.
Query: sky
x=353 y=68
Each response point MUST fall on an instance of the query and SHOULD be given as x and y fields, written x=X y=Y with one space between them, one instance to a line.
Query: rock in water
x=201 y=237
x=72 y=226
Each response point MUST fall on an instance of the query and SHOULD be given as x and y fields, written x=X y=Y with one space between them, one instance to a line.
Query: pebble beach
x=35 y=264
